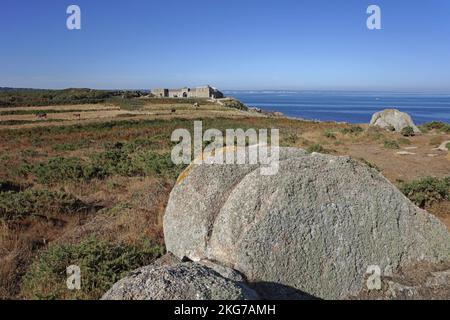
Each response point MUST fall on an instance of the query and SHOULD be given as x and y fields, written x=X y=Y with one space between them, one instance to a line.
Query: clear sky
x=231 y=44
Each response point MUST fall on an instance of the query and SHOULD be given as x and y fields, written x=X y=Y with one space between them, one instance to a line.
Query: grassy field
x=91 y=190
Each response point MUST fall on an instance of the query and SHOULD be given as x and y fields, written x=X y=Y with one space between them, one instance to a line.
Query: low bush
x=353 y=130
x=32 y=97
x=408 y=131
x=101 y=264
x=62 y=169
x=114 y=161
x=141 y=163
x=329 y=134
x=374 y=133
x=435 y=125
x=391 y=144
x=21 y=204
x=289 y=140
x=235 y=104
x=122 y=159
x=426 y=191
x=150 y=163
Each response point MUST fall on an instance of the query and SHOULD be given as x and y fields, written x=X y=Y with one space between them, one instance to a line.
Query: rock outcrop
x=176 y=280
x=393 y=119
x=315 y=227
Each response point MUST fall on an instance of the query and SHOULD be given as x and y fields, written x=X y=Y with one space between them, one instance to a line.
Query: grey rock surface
x=171 y=280
x=392 y=118
x=313 y=228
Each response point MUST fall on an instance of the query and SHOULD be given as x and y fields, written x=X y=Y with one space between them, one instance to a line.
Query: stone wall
x=200 y=92
x=162 y=93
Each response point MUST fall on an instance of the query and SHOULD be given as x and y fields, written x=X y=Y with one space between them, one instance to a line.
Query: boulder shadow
x=277 y=291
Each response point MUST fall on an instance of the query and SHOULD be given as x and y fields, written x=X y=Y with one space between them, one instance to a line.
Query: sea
x=348 y=106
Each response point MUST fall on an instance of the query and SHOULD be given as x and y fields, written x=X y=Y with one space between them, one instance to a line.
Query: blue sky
x=231 y=44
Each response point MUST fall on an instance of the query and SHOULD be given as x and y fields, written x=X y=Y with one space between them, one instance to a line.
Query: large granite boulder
x=393 y=119
x=176 y=280
x=314 y=227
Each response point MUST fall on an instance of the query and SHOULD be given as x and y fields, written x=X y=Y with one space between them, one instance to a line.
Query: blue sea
x=352 y=107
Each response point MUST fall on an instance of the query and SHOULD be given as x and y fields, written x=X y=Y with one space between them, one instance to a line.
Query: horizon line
x=410 y=91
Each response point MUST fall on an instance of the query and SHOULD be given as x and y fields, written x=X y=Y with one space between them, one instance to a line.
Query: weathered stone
x=170 y=280
x=392 y=118
x=443 y=146
x=313 y=228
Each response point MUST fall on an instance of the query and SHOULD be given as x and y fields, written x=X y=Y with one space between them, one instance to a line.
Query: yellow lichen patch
x=184 y=174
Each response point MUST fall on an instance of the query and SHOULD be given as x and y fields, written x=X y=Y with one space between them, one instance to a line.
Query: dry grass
x=133 y=206
x=105 y=112
x=20 y=241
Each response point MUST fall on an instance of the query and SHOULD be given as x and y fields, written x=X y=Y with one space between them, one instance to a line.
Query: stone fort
x=199 y=92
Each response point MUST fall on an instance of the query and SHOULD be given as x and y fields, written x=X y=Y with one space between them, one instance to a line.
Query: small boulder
x=393 y=119
x=169 y=279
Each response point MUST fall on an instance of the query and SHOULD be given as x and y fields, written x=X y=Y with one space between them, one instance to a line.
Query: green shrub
x=32 y=97
x=151 y=163
x=118 y=160
x=114 y=161
x=408 y=131
x=235 y=104
x=391 y=144
x=133 y=159
x=353 y=130
x=435 y=125
x=329 y=134
x=30 y=202
x=374 y=133
x=101 y=264
x=448 y=146
x=289 y=140
x=428 y=190
x=62 y=169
